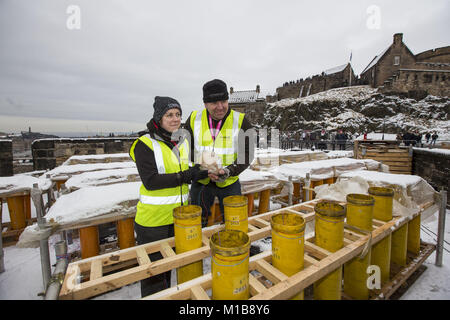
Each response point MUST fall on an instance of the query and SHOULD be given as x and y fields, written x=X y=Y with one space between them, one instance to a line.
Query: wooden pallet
x=399 y=159
x=111 y=271
x=399 y=275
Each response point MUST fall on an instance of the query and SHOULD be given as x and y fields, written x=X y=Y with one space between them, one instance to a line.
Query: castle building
x=396 y=69
x=340 y=76
x=249 y=102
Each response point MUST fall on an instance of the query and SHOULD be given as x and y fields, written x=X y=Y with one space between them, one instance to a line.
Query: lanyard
x=214 y=132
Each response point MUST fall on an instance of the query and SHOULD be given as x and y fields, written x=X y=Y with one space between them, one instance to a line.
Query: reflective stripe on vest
x=162 y=200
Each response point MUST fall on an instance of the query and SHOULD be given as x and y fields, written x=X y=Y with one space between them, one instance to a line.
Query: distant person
x=333 y=140
x=419 y=139
x=341 y=138
x=434 y=137
x=323 y=139
x=428 y=137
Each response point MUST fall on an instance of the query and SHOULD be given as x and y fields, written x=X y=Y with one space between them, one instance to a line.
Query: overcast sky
x=101 y=72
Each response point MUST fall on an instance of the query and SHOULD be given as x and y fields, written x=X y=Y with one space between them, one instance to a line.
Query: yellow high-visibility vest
x=155 y=207
x=225 y=145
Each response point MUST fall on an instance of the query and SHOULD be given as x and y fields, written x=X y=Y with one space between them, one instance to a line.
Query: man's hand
x=215 y=177
x=220 y=176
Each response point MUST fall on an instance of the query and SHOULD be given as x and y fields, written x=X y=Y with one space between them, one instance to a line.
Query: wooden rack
x=100 y=274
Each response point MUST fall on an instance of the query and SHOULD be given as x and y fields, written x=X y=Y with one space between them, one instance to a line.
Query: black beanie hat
x=162 y=104
x=215 y=90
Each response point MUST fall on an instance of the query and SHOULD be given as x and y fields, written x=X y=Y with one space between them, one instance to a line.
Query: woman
x=162 y=160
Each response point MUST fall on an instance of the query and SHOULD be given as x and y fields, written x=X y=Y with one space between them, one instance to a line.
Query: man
x=221 y=130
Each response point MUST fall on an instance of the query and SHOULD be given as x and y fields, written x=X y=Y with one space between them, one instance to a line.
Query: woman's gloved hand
x=193 y=174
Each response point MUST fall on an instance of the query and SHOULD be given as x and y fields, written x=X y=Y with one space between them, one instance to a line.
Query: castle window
x=427 y=78
x=396 y=60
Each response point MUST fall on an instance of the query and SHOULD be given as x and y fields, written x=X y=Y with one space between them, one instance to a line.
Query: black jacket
x=235 y=168
x=146 y=163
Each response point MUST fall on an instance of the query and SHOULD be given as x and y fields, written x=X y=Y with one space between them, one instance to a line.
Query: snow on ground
x=434 y=283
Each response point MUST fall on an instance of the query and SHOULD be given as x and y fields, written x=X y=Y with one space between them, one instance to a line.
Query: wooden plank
x=71 y=279
x=270 y=272
x=198 y=293
x=308 y=260
x=316 y=251
x=347 y=241
x=353 y=236
x=166 y=250
x=96 y=270
x=142 y=256
x=256 y=286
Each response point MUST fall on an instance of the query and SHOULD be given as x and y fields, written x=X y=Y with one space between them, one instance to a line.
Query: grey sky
x=104 y=76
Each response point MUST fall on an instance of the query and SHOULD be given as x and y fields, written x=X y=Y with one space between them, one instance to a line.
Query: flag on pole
x=351 y=53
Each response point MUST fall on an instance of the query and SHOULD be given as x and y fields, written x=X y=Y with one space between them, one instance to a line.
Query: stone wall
x=6 y=158
x=254 y=111
x=432 y=82
x=316 y=84
x=434 y=167
x=438 y=55
x=50 y=153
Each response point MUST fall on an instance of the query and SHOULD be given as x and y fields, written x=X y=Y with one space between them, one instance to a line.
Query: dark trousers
x=149 y=234
x=204 y=196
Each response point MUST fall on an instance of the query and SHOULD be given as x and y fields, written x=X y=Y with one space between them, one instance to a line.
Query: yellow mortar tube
x=236 y=213
x=382 y=210
x=288 y=241
x=414 y=235
x=230 y=265
x=359 y=214
x=329 y=235
x=187 y=221
x=399 y=244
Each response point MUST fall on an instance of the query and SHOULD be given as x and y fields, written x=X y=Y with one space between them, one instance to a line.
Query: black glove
x=200 y=174
x=193 y=174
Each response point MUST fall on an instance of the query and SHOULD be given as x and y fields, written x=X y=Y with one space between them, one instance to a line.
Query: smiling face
x=171 y=120
x=217 y=109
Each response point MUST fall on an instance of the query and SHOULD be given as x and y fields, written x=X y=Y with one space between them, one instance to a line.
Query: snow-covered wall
x=50 y=153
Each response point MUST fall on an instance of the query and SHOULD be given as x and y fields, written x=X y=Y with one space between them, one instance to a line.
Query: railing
x=316 y=144
x=288 y=144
